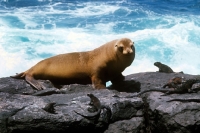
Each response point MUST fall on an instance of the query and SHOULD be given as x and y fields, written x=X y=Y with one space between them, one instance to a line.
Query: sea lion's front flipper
x=97 y=83
x=34 y=82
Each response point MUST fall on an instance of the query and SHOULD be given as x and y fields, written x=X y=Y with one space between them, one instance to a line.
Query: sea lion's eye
x=120 y=49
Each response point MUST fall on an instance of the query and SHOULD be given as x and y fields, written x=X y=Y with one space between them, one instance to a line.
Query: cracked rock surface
x=22 y=107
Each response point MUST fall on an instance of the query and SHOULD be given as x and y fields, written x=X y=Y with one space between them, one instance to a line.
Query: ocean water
x=163 y=30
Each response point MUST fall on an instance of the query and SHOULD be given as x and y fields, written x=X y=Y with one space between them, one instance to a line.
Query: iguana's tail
x=90 y=115
x=19 y=76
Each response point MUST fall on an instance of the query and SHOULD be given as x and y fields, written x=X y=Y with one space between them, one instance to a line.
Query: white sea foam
x=184 y=58
x=175 y=42
x=184 y=52
x=12 y=63
x=91 y=9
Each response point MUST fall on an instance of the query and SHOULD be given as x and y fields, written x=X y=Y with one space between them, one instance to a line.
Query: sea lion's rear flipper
x=18 y=76
x=34 y=82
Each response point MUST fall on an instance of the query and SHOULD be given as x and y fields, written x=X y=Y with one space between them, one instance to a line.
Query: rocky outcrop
x=23 y=109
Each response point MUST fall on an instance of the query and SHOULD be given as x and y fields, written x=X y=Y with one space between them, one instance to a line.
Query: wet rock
x=165 y=116
x=22 y=108
x=26 y=113
x=133 y=125
x=173 y=116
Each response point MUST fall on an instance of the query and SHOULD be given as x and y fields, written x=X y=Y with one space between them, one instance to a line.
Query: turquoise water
x=163 y=30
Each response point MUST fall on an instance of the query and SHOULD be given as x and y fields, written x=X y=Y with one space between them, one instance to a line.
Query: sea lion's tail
x=19 y=76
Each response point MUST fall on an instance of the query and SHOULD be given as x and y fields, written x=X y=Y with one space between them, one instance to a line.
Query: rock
x=22 y=107
x=173 y=116
x=25 y=112
x=133 y=125
x=195 y=86
x=164 y=116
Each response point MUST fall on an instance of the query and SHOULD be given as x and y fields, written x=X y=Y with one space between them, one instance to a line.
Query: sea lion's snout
x=127 y=51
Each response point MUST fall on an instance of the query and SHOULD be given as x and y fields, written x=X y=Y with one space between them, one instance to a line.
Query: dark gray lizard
x=50 y=107
x=97 y=105
x=185 y=87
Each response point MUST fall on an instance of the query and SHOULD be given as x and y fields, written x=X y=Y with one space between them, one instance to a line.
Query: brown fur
x=174 y=82
x=97 y=66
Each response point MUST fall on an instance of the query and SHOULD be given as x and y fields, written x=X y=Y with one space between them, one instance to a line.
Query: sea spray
x=165 y=31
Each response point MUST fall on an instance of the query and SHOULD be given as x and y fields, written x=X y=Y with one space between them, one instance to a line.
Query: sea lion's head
x=125 y=47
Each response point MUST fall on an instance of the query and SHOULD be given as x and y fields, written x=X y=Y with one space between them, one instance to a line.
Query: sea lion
x=105 y=63
x=163 y=68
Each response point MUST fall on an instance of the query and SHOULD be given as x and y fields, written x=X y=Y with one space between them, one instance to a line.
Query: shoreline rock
x=21 y=107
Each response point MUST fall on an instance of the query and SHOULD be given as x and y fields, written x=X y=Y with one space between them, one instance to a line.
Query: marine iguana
x=163 y=68
x=95 y=102
x=174 y=82
x=50 y=108
x=185 y=87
